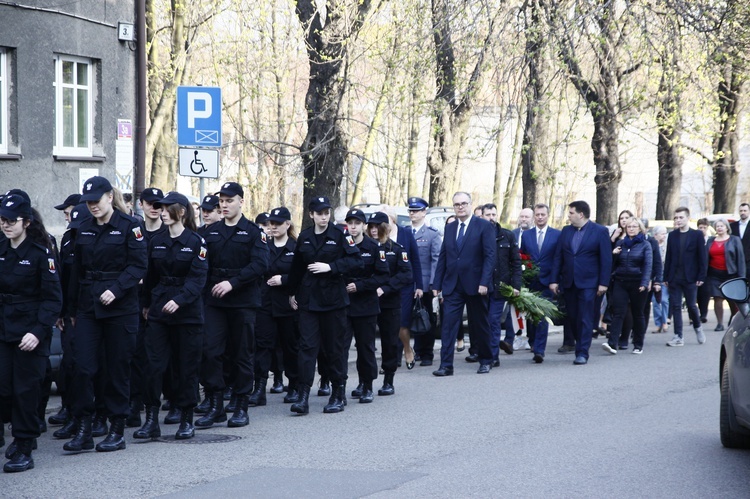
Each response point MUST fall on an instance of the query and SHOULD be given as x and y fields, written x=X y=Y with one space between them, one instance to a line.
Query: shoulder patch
x=350 y=240
x=52 y=268
x=382 y=255
x=263 y=237
x=404 y=256
x=202 y=253
x=138 y=234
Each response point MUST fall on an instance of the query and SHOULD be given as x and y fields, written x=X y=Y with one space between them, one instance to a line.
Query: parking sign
x=199 y=116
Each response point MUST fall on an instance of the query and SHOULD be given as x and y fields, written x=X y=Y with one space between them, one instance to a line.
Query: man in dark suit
x=582 y=265
x=739 y=229
x=540 y=244
x=685 y=269
x=525 y=222
x=464 y=275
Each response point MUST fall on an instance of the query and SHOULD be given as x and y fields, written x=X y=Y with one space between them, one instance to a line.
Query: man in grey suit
x=428 y=244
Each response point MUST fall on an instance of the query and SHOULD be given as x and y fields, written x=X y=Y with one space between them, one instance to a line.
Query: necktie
x=460 y=238
x=414 y=231
x=540 y=240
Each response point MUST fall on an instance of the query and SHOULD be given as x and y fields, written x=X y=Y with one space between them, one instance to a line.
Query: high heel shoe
x=460 y=347
x=410 y=365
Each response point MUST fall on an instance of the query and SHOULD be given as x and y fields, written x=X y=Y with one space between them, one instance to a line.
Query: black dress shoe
x=507 y=348
x=580 y=360
x=484 y=369
x=496 y=363
x=443 y=371
x=425 y=363
x=538 y=358
x=472 y=358
x=566 y=349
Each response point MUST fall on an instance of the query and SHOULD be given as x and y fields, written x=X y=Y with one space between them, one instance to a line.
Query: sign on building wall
x=124 y=156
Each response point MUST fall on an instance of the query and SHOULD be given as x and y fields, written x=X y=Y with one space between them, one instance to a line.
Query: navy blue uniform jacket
x=474 y=262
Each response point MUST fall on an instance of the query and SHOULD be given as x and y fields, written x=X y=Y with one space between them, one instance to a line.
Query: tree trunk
x=514 y=177
x=534 y=151
x=324 y=149
x=726 y=164
x=669 y=155
x=605 y=146
x=411 y=155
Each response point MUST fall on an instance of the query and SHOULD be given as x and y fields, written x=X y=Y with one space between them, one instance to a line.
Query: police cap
x=172 y=198
x=417 y=204
x=232 y=189
x=356 y=214
x=262 y=218
x=210 y=202
x=94 y=188
x=279 y=215
x=14 y=206
x=71 y=200
x=319 y=204
x=378 y=218
x=151 y=195
x=79 y=214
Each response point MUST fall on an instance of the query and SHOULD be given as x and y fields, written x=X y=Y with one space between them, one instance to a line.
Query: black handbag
x=420 y=318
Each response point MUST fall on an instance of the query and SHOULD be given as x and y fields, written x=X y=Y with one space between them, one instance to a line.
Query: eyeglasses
x=460 y=205
x=9 y=222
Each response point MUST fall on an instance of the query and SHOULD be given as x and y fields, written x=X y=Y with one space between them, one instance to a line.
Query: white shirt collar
x=417 y=229
x=466 y=225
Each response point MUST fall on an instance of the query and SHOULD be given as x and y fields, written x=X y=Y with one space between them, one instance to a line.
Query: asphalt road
x=621 y=426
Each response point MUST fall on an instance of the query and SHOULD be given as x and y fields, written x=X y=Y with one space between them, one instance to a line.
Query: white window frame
x=4 y=102
x=59 y=149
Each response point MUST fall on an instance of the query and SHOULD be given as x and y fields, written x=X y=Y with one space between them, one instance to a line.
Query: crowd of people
x=151 y=308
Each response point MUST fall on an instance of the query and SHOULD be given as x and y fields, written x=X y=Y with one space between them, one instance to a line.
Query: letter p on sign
x=192 y=112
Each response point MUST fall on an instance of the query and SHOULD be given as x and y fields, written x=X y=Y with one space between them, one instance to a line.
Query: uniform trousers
x=175 y=346
x=233 y=330
x=363 y=330
x=21 y=375
x=321 y=331
x=67 y=364
x=389 y=321
x=271 y=332
x=424 y=344
x=115 y=337
x=138 y=364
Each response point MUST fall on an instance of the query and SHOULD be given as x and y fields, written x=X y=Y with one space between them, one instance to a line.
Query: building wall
x=33 y=38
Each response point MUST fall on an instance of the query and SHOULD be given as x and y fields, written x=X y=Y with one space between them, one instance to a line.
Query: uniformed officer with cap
x=210 y=212
x=362 y=314
x=323 y=256
x=67 y=206
x=428 y=243
x=238 y=259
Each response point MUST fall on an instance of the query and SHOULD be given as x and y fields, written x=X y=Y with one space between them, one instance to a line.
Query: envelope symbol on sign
x=206 y=136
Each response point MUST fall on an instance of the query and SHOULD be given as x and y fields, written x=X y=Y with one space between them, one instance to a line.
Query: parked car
x=437 y=216
x=734 y=369
x=402 y=213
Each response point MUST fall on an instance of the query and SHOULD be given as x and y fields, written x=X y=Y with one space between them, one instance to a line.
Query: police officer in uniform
x=110 y=260
x=238 y=259
x=428 y=244
x=400 y=275
x=173 y=304
x=277 y=322
x=67 y=206
x=323 y=256
x=210 y=212
x=362 y=314
x=31 y=300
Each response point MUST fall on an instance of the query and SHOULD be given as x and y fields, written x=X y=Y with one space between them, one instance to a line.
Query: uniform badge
x=138 y=234
x=202 y=254
x=404 y=256
x=350 y=240
x=263 y=237
x=52 y=268
x=382 y=255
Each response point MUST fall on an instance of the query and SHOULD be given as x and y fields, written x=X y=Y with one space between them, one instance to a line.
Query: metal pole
x=203 y=188
x=140 y=129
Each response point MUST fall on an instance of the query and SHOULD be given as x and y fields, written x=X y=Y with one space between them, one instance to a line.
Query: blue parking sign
x=199 y=116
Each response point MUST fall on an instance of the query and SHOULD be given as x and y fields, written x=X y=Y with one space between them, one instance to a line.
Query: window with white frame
x=3 y=103
x=73 y=106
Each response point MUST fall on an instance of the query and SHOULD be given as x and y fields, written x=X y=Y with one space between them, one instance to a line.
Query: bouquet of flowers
x=529 y=271
x=531 y=304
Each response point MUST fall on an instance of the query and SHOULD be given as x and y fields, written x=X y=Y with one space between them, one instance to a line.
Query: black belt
x=11 y=299
x=172 y=281
x=101 y=276
x=225 y=272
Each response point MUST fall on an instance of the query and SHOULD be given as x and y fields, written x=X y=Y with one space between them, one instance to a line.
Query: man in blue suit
x=582 y=265
x=540 y=244
x=464 y=275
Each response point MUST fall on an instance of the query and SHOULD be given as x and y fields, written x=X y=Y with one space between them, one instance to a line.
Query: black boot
x=68 y=430
x=13 y=447
x=150 y=428
x=134 y=417
x=2 y=435
x=302 y=405
x=336 y=402
x=21 y=459
x=278 y=383
x=215 y=414
x=99 y=426
x=325 y=388
x=240 y=417
x=167 y=405
x=186 y=429
x=357 y=392
x=292 y=395
x=258 y=397
x=62 y=417
x=204 y=406
x=173 y=416
x=82 y=439
x=387 y=385
x=228 y=393
x=232 y=405
x=115 y=439
x=367 y=395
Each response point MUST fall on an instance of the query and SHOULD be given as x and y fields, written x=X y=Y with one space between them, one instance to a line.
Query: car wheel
x=729 y=438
